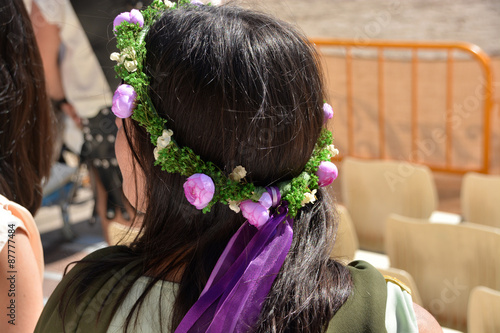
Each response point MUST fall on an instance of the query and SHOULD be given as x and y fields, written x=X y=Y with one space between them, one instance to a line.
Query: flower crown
x=206 y=183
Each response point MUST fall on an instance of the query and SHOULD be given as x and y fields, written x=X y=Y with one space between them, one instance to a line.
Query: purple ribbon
x=240 y=281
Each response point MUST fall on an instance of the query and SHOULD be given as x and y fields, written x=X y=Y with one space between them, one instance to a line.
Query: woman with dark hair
x=25 y=155
x=226 y=155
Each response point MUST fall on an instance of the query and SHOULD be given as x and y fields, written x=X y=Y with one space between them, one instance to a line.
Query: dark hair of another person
x=239 y=88
x=26 y=119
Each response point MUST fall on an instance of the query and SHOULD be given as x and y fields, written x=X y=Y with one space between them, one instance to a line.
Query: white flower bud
x=238 y=173
x=333 y=151
x=234 y=206
x=115 y=56
x=169 y=4
x=131 y=65
x=309 y=198
x=164 y=139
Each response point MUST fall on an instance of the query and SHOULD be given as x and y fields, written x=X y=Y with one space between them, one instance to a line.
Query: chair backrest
x=446 y=261
x=373 y=189
x=404 y=277
x=346 y=241
x=483 y=313
x=479 y=197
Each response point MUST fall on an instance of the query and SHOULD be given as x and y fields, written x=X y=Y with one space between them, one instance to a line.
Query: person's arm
x=21 y=295
x=49 y=41
x=425 y=321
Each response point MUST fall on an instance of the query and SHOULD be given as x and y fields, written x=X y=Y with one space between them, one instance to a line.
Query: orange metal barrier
x=415 y=47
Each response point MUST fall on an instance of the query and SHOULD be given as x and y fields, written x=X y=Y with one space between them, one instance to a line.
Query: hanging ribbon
x=240 y=281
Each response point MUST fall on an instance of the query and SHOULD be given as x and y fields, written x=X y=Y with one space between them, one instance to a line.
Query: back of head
x=238 y=88
x=26 y=119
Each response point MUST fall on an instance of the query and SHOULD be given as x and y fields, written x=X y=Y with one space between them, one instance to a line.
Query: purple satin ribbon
x=240 y=281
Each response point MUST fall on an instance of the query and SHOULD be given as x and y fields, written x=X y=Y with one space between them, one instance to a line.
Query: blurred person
x=26 y=144
x=78 y=87
x=237 y=228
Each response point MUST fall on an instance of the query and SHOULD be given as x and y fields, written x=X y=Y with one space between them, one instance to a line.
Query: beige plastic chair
x=446 y=261
x=121 y=234
x=480 y=199
x=373 y=189
x=483 y=312
x=346 y=241
x=404 y=277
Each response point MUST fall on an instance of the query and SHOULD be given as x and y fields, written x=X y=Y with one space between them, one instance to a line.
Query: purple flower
x=266 y=200
x=123 y=101
x=328 y=111
x=120 y=18
x=199 y=190
x=196 y=2
x=327 y=172
x=256 y=214
x=134 y=17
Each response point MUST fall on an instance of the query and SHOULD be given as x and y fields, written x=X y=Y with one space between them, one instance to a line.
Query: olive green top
x=364 y=310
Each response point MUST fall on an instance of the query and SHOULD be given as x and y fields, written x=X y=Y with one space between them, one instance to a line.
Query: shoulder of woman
x=364 y=310
x=87 y=308
x=376 y=304
x=106 y=254
x=9 y=219
x=13 y=216
x=17 y=211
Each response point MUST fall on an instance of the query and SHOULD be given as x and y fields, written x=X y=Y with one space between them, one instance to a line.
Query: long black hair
x=26 y=119
x=239 y=88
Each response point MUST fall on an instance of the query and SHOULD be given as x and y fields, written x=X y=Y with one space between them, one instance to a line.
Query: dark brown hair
x=26 y=119
x=239 y=88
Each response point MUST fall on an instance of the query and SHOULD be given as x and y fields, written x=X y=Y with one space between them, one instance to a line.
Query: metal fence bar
x=414 y=105
x=379 y=46
x=350 y=108
x=381 y=102
x=449 y=107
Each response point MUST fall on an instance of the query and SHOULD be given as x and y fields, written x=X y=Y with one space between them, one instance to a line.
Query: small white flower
x=164 y=139
x=118 y=57
x=169 y=4
x=115 y=56
x=309 y=198
x=127 y=57
x=234 y=206
x=131 y=65
x=333 y=151
x=156 y=153
x=238 y=173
